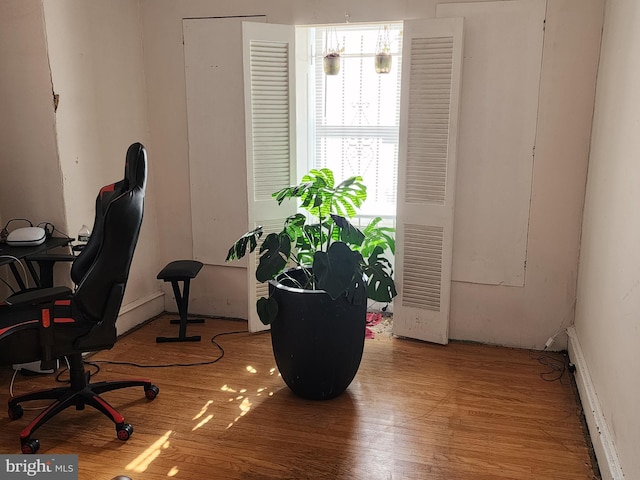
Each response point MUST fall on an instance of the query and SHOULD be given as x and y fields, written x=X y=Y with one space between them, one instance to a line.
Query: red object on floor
x=372 y=320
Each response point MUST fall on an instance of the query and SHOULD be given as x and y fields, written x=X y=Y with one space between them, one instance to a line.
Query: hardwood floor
x=414 y=411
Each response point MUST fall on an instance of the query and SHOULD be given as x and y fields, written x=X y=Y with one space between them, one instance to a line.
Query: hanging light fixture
x=383 y=58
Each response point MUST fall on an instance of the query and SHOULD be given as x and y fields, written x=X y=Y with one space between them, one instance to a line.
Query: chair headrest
x=135 y=170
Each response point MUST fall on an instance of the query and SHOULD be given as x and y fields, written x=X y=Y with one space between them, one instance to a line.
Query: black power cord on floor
x=95 y=363
x=194 y=364
x=556 y=362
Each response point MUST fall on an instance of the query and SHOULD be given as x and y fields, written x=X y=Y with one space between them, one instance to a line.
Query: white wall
x=527 y=317
x=30 y=175
x=95 y=51
x=31 y=179
x=518 y=316
x=607 y=315
x=90 y=54
x=96 y=56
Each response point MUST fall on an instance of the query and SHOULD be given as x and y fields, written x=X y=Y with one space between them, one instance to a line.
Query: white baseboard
x=603 y=445
x=139 y=311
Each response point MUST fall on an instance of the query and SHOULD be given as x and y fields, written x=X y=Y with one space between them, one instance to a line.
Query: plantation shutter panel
x=269 y=86
x=432 y=64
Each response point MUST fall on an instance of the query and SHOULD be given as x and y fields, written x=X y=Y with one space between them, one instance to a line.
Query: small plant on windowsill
x=321 y=270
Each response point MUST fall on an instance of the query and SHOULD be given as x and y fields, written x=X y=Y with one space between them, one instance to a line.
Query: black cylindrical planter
x=317 y=342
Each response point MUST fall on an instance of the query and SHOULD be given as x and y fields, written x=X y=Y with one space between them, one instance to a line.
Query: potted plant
x=331 y=58
x=331 y=63
x=383 y=57
x=383 y=62
x=321 y=270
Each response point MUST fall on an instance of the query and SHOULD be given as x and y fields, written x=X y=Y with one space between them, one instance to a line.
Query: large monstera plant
x=334 y=255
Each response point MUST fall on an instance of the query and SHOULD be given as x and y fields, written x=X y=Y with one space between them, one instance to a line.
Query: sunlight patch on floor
x=203 y=411
x=226 y=388
x=244 y=396
x=142 y=461
x=203 y=422
x=173 y=472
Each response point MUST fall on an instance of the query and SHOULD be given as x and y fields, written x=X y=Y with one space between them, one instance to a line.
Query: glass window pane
x=357 y=112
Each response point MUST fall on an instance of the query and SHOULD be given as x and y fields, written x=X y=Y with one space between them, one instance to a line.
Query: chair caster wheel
x=30 y=446
x=15 y=412
x=124 y=431
x=151 y=392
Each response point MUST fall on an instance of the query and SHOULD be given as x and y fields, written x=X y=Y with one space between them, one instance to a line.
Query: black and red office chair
x=52 y=323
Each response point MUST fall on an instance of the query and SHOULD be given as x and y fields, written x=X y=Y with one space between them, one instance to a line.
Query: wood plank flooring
x=414 y=411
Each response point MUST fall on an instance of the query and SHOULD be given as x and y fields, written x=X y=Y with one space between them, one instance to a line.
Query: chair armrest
x=45 y=299
x=52 y=257
x=39 y=296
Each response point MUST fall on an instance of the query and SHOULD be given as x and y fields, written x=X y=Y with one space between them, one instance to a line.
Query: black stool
x=181 y=271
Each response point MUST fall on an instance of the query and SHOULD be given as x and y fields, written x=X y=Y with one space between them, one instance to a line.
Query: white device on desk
x=27 y=237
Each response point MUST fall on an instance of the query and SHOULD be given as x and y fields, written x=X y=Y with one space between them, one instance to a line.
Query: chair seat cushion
x=19 y=332
x=180 y=270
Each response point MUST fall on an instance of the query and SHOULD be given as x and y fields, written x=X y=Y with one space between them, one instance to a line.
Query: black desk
x=23 y=253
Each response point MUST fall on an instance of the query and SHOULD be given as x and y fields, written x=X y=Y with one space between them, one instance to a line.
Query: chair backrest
x=102 y=273
x=88 y=254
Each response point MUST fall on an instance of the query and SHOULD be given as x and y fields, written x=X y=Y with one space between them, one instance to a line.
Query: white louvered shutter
x=432 y=64
x=268 y=56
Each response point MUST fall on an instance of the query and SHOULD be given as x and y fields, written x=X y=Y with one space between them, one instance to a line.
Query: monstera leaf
x=348 y=233
x=337 y=269
x=275 y=252
x=320 y=196
x=267 y=309
x=249 y=239
x=380 y=284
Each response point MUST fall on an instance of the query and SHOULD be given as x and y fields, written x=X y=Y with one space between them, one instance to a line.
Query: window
x=354 y=116
x=427 y=141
